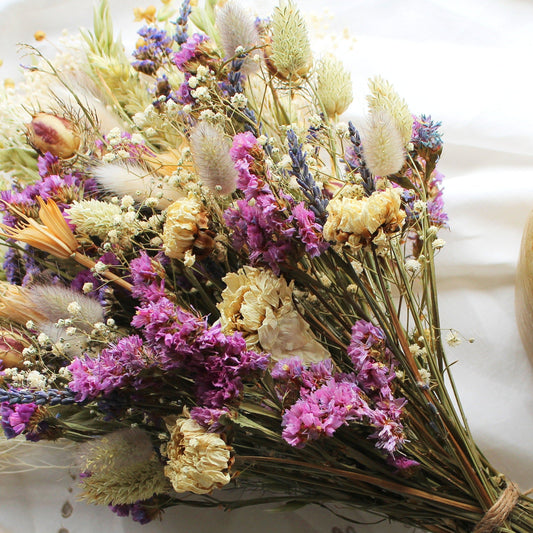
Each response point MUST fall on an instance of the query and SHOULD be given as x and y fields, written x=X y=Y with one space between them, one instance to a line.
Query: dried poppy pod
x=50 y=133
x=11 y=346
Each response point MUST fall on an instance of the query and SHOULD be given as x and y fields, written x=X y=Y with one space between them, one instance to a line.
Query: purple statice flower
x=188 y=50
x=259 y=221
x=48 y=164
x=435 y=204
x=183 y=94
x=217 y=363
x=403 y=464
x=293 y=379
x=426 y=133
x=154 y=52
x=12 y=266
x=117 y=366
x=374 y=372
x=148 y=286
x=309 y=231
x=181 y=22
x=321 y=412
x=15 y=418
x=210 y=418
x=142 y=511
x=316 y=201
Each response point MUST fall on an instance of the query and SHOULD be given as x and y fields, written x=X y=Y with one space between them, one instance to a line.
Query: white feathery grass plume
x=237 y=28
x=383 y=96
x=291 y=51
x=210 y=153
x=134 y=181
x=334 y=86
x=383 y=146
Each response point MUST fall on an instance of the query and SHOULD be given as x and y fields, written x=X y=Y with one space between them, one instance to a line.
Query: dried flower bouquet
x=213 y=283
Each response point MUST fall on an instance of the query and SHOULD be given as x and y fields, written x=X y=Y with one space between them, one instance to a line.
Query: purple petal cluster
x=188 y=50
x=148 y=286
x=435 y=204
x=258 y=220
x=374 y=370
x=154 y=52
x=210 y=418
x=321 y=412
x=116 y=366
x=15 y=418
x=309 y=231
x=426 y=133
x=142 y=511
x=217 y=363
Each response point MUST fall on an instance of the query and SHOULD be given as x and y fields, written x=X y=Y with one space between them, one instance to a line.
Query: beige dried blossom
x=259 y=305
x=356 y=222
x=185 y=229
x=198 y=461
x=16 y=305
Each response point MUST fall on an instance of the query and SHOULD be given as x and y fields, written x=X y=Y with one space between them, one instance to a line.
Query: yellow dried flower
x=148 y=14
x=384 y=97
x=259 y=305
x=334 y=86
x=186 y=227
x=290 y=49
x=198 y=461
x=52 y=236
x=39 y=35
x=356 y=222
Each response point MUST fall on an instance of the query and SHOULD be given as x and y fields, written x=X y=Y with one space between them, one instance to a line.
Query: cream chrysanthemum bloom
x=198 y=461
x=355 y=221
x=183 y=227
x=259 y=305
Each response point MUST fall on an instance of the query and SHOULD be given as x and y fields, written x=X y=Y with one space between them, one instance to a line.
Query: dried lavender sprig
x=51 y=397
x=300 y=170
x=358 y=163
x=181 y=22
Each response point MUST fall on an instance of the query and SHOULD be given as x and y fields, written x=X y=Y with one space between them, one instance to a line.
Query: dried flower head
x=290 y=51
x=334 y=86
x=384 y=97
x=53 y=236
x=198 y=461
x=50 y=133
x=210 y=152
x=383 y=146
x=258 y=304
x=121 y=468
x=356 y=222
x=12 y=345
x=237 y=28
x=185 y=229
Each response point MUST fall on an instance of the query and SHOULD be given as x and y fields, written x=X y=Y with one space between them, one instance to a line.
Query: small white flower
x=193 y=82
x=202 y=94
x=137 y=138
x=30 y=324
x=438 y=244
x=239 y=50
x=341 y=128
x=150 y=132
x=71 y=331
x=413 y=266
x=36 y=380
x=99 y=267
x=202 y=72
x=419 y=206
x=64 y=373
x=357 y=266
x=187 y=108
x=139 y=119
x=124 y=153
x=262 y=140
x=110 y=322
x=432 y=231
x=207 y=114
x=151 y=202
x=316 y=121
x=29 y=351
x=424 y=375
x=239 y=101
x=453 y=339
x=43 y=339
x=100 y=326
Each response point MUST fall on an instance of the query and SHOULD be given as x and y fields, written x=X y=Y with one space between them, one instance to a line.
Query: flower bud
x=50 y=133
x=11 y=346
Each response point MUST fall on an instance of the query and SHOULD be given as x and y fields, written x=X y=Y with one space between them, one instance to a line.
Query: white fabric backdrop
x=467 y=64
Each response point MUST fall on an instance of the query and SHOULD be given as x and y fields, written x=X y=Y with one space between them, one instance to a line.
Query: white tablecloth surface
x=467 y=64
